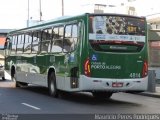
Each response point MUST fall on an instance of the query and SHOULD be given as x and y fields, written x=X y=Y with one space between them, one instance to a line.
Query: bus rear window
x=117 y=33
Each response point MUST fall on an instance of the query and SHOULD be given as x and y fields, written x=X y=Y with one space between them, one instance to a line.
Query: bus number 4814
x=134 y=75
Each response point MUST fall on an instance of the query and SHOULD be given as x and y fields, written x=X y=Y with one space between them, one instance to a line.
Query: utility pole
x=62 y=8
x=40 y=11
x=28 y=15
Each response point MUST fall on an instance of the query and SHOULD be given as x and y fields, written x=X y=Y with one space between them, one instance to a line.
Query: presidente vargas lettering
x=104 y=66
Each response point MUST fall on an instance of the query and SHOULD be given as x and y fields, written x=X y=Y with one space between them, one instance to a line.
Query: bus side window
x=74 y=36
x=70 y=39
x=28 y=41
x=67 y=39
x=14 y=42
x=20 y=43
x=57 y=43
x=45 y=41
x=11 y=44
x=8 y=45
x=36 y=42
x=50 y=38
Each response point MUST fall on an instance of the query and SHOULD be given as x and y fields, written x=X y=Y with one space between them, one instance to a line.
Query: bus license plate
x=117 y=84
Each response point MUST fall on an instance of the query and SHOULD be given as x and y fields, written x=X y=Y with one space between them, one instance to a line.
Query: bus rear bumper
x=113 y=85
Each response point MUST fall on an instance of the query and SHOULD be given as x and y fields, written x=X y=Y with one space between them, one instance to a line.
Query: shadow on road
x=81 y=98
x=77 y=97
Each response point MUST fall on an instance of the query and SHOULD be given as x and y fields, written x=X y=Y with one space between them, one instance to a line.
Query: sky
x=14 y=13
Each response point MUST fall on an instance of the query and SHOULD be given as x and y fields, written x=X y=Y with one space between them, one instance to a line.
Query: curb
x=156 y=95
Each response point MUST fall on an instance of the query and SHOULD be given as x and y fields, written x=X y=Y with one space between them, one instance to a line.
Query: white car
x=2 y=71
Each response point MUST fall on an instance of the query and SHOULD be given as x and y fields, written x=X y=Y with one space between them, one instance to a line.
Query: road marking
x=28 y=105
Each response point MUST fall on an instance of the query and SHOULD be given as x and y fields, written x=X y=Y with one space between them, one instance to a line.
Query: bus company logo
x=94 y=57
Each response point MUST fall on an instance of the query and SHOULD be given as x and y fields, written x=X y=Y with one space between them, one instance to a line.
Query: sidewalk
x=155 y=94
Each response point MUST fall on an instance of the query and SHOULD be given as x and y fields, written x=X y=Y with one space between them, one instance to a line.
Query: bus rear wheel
x=21 y=84
x=102 y=95
x=52 y=85
x=13 y=78
x=3 y=78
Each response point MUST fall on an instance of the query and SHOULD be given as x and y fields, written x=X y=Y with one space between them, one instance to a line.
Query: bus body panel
x=112 y=65
x=105 y=84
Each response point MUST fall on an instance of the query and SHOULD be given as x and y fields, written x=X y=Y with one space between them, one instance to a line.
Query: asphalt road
x=35 y=100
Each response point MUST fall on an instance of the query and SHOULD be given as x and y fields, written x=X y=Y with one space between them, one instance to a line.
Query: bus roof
x=64 y=18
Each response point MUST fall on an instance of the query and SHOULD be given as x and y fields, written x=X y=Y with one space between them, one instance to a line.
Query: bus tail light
x=145 y=69
x=87 y=70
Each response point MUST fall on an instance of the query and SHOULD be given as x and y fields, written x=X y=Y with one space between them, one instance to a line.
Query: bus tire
x=102 y=95
x=13 y=78
x=13 y=73
x=52 y=85
x=18 y=84
x=3 y=78
x=21 y=84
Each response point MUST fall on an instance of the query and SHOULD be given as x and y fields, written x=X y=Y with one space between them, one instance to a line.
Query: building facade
x=154 y=43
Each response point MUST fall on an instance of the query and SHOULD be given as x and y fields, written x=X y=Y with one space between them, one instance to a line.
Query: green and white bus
x=97 y=53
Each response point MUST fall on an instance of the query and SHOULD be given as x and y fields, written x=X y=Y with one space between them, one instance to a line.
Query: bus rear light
x=87 y=70
x=145 y=69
